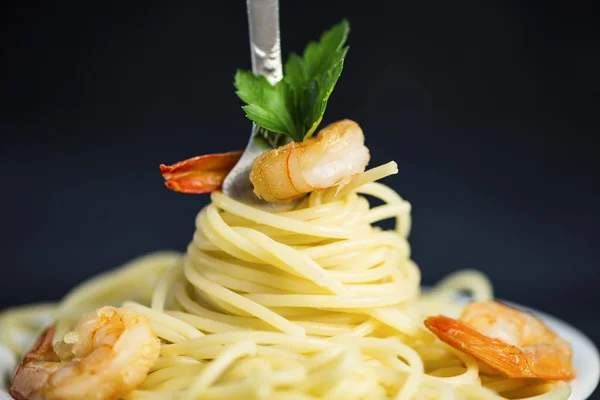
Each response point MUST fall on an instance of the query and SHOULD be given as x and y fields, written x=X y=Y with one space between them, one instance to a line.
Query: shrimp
x=282 y=174
x=201 y=174
x=511 y=342
x=329 y=159
x=107 y=355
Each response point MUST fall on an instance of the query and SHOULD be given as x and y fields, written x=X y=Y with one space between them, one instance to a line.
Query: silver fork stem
x=265 y=51
x=265 y=43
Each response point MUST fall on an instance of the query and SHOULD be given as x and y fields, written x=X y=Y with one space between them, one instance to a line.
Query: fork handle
x=265 y=44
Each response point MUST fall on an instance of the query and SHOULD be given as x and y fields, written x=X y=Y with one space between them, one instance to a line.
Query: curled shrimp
x=282 y=174
x=107 y=355
x=512 y=342
x=329 y=159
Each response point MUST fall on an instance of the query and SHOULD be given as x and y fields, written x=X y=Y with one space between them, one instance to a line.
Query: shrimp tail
x=202 y=174
x=504 y=358
x=31 y=368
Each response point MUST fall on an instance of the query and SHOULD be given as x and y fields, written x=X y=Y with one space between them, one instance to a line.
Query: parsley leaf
x=266 y=104
x=295 y=105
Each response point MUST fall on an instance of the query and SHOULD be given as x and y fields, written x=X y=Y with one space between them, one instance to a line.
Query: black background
x=490 y=109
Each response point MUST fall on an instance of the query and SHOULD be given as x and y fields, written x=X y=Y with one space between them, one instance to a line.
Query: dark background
x=489 y=108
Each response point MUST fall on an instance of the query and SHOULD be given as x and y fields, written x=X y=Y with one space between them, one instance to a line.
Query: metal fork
x=265 y=51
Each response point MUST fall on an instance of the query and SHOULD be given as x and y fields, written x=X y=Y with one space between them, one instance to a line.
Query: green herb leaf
x=266 y=104
x=296 y=104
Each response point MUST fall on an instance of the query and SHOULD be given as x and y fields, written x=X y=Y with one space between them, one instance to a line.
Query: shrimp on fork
x=107 y=355
x=514 y=343
x=329 y=159
x=280 y=175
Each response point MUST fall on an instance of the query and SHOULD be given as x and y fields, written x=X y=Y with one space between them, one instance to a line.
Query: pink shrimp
x=512 y=342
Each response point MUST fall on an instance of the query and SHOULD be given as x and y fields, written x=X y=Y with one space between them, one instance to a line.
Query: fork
x=265 y=52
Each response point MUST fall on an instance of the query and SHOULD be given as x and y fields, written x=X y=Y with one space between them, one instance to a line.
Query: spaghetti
x=312 y=303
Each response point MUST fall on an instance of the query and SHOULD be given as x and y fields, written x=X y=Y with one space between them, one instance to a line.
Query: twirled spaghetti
x=312 y=303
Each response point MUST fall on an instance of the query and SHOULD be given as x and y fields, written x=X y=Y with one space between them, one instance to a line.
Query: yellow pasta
x=310 y=303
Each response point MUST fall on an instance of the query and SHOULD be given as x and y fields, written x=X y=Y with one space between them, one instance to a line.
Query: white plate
x=585 y=359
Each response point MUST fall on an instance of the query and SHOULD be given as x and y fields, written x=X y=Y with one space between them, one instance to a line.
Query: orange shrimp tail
x=28 y=380
x=506 y=359
x=496 y=354
x=202 y=174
